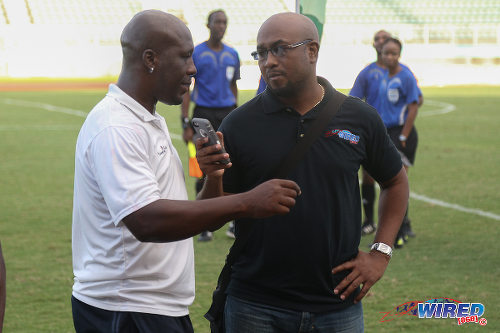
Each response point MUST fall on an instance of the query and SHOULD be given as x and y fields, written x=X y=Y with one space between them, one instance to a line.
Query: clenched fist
x=273 y=197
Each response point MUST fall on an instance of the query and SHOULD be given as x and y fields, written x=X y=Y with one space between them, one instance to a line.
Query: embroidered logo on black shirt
x=343 y=134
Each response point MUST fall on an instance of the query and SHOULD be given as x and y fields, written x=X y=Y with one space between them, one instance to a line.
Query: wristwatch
x=382 y=247
x=185 y=122
x=402 y=137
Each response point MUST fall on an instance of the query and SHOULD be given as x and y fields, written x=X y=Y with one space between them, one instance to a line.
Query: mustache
x=274 y=72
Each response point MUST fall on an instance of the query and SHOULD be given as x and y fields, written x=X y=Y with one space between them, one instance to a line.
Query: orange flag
x=194 y=168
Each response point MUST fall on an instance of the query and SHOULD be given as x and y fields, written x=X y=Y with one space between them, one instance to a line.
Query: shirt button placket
x=301 y=128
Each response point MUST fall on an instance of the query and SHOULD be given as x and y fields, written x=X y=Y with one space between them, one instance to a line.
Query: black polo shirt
x=288 y=259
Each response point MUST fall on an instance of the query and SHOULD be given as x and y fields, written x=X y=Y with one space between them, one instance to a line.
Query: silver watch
x=382 y=247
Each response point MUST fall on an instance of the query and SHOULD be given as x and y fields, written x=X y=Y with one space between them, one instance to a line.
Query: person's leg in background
x=406 y=225
x=205 y=236
x=219 y=117
x=368 y=197
x=408 y=152
x=215 y=116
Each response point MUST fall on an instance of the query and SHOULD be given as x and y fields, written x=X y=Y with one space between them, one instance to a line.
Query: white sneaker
x=230 y=230
x=205 y=236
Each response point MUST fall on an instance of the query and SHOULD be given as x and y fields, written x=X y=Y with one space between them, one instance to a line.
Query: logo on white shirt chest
x=162 y=150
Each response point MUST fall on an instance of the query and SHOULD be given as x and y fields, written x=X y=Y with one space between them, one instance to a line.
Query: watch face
x=384 y=248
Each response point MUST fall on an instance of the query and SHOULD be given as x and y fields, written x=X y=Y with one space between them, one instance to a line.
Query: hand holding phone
x=203 y=129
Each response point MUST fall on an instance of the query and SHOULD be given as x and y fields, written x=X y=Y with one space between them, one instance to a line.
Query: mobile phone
x=203 y=129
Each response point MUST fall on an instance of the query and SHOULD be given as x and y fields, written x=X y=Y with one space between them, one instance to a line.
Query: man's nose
x=270 y=60
x=191 y=71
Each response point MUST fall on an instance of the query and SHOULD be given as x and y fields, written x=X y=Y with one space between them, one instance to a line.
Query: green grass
x=103 y=79
x=455 y=253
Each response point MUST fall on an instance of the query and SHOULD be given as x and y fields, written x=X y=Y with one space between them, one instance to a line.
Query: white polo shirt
x=124 y=161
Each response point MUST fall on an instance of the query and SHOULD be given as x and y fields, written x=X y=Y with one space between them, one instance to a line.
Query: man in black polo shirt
x=304 y=269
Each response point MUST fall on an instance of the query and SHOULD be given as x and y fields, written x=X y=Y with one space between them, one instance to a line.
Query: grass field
x=454 y=186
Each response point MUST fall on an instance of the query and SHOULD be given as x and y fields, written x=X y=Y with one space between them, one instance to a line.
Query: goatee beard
x=285 y=91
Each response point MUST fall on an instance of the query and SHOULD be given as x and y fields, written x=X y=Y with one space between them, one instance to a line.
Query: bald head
x=157 y=59
x=289 y=43
x=292 y=26
x=151 y=29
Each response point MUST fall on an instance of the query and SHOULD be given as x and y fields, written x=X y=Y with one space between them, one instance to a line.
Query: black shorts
x=87 y=319
x=214 y=115
x=408 y=152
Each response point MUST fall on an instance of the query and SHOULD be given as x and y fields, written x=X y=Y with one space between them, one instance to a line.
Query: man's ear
x=313 y=49
x=149 y=59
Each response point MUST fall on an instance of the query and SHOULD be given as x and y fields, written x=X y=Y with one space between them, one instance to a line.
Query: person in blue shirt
x=366 y=86
x=262 y=85
x=398 y=99
x=368 y=80
x=215 y=91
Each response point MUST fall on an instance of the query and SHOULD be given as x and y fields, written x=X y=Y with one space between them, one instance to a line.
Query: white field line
x=44 y=106
x=454 y=206
x=6 y=128
x=445 y=108
x=176 y=136
x=438 y=108
x=51 y=108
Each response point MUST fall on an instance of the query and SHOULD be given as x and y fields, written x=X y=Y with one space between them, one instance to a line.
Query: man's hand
x=273 y=197
x=366 y=269
x=208 y=157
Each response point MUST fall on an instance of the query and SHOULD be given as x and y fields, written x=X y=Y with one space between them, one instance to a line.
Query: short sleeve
x=412 y=91
x=196 y=54
x=237 y=74
x=383 y=160
x=358 y=89
x=122 y=170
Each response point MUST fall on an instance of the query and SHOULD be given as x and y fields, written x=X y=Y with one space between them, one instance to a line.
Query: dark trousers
x=408 y=152
x=89 y=319
x=242 y=316
x=214 y=115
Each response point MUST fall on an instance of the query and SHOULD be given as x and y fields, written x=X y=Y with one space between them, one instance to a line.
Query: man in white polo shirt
x=132 y=222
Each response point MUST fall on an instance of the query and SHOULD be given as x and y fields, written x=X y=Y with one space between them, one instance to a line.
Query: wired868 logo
x=463 y=312
x=441 y=308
